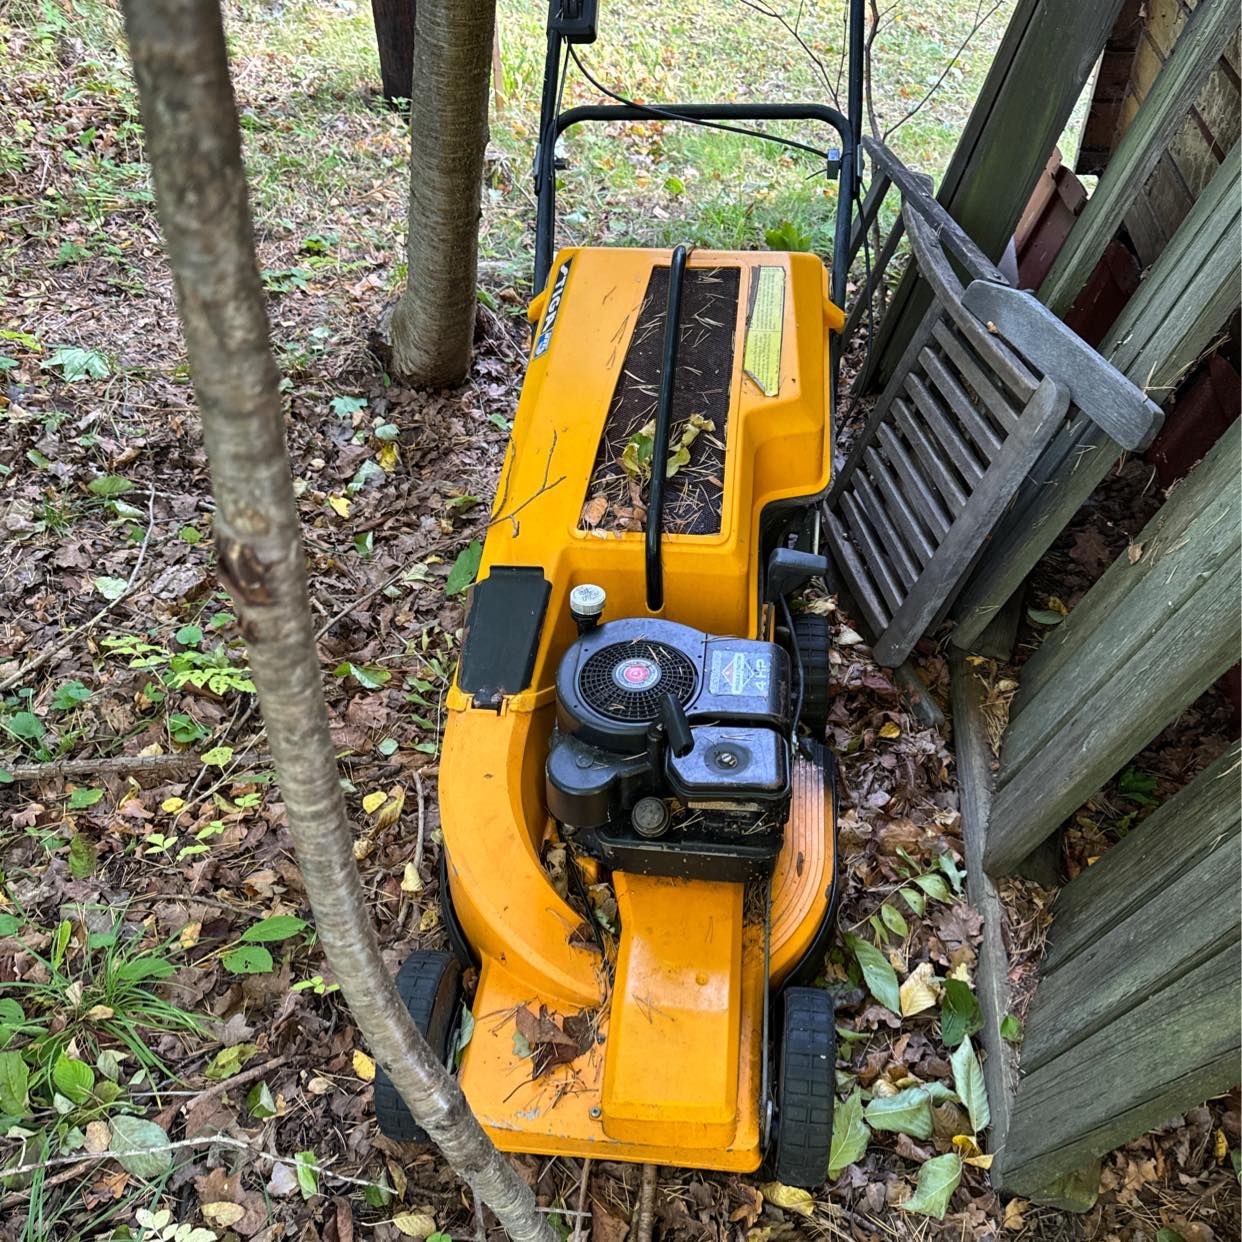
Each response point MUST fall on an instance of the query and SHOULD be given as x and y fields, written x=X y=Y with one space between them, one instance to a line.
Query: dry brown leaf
x=920 y=990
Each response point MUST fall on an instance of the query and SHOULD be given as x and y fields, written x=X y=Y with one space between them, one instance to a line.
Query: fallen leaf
x=414 y=1224
x=364 y=1066
x=1013 y=1218
x=340 y=505
x=391 y=810
x=373 y=801
x=411 y=881
x=224 y=1214
x=593 y=511
x=889 y=730
x=920 y=990
x=938 y=1179
x=98 y=1136
x=792 y=1198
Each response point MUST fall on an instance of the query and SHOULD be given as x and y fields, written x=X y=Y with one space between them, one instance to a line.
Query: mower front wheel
x=806 y=1075
x=813 y=637
x=429 y=982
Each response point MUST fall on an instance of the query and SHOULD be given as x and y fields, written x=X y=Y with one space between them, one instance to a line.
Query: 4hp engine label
x=549 y=315
x=734 y=672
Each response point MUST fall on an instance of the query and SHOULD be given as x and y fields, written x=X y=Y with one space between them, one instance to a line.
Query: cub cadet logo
x=554 y=305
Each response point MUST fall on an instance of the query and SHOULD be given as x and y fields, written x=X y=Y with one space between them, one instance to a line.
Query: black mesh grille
x=601 y=692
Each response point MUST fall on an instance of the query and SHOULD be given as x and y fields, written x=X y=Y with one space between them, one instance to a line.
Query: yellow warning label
x=765 y=326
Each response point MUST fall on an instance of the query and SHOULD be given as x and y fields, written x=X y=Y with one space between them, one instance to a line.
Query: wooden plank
x=1137 y=957
x=1172 y=839
x=873 y=554
x=1174 y=1050
x=857 y=579
x=924 y=501
x=908 y=569
x=930 y=457
x=970 y=369
x=973 y=754
x=1112 y=402
x=873 y=280
x=899 y=507
x=950 y=388
x=951 y=440
x=1134 y=684
x=916 y=194
x=877 y=192
x=1048 y=52
x=1195 y=55
x=1135 y=595
x=962 y=542
x=934 y=267
x=1181 y=305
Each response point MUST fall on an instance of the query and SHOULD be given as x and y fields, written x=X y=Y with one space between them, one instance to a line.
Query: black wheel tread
x=805 y=1087
x=813 y=637
x=429 y=983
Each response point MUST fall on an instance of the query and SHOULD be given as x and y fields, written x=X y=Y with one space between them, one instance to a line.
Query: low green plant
x=211 y=670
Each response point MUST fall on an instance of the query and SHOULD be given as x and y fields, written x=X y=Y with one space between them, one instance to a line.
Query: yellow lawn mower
x=636 y=800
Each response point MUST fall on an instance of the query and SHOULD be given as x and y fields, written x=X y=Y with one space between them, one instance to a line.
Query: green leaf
x=146 y=1143
x=464 y=568
x=190 y=534
x=674 y=185
x=915 y=900
x=73 y=1079
x=938 y=1179
x=1011 y=1028
x=878 y=972
x=110 y=485
x=1044 y=616
x=250 y=959
x=25 y=725
x=81 y=798
x=308 y=1178
x=14 y=1084
x=786 y=236
x=1165 y=1234
x=343 y=407
x=9 y=923
x=907 y=1112
x=189 y=636
x=77 y=364
x=960 y=1014
x=228 y=1061
x=82 y=857
x=276 y=927
x=934 y=886
x=893 y=920
x=948 y=864
x=217 y=756
x=70 y=695
x=368 y=676
x=148 y=966
x=260 y=1102
x=521 y=1045
x=110 y=588
x=389 y=746
x=849 y=1134
x=968 y=1079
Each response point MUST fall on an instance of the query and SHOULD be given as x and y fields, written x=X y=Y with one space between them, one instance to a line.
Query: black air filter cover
x=611 y=681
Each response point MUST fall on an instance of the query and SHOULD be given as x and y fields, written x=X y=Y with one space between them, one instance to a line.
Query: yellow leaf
x=373 y=801
x=223 y=1213
x=430 y=919
x=172 y=805
x=364 y=1066
x=414 y=1224
x=919 y=991
x=1221 y=1149
x=387 y=457
x=890 y=730
x=960 y=972
x=1058 y=605
x=189 y=935
x=967 y=1146
x=363 y=849
x=100 y=1013
x=411 y=881
x=980 y=1162
x=392 y=808
x=1013 y=1218
x=791 y=1198
x=340 y=505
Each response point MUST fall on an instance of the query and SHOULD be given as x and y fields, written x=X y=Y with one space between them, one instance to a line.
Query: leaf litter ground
x=153 y=919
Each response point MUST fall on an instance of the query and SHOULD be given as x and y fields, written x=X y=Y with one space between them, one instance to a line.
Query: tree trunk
x=433 y=325
x=194 y=146
x=394 y=36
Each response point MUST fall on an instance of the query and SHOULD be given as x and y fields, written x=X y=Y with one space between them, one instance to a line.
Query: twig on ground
x=422 y=820
x=138 y=765
x=219 y=1088
x=57 y=647
x=585 y=1181
x=644 y=1214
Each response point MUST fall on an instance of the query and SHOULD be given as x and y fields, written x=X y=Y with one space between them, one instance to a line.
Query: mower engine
x=671 y=753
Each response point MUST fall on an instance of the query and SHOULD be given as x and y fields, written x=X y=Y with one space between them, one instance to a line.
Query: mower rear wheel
x=813 y=638
x=805 y=1080
x=429 y=982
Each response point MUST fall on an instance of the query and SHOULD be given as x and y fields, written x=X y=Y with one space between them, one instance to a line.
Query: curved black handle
x=663 y=430
x=676 y=726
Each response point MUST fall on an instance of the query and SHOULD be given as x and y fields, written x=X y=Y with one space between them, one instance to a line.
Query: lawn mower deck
x=667 y=1059
x=639 y=837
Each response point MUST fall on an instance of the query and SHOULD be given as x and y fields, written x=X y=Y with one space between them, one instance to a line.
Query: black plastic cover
x=733 y=766
x=502 y=633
